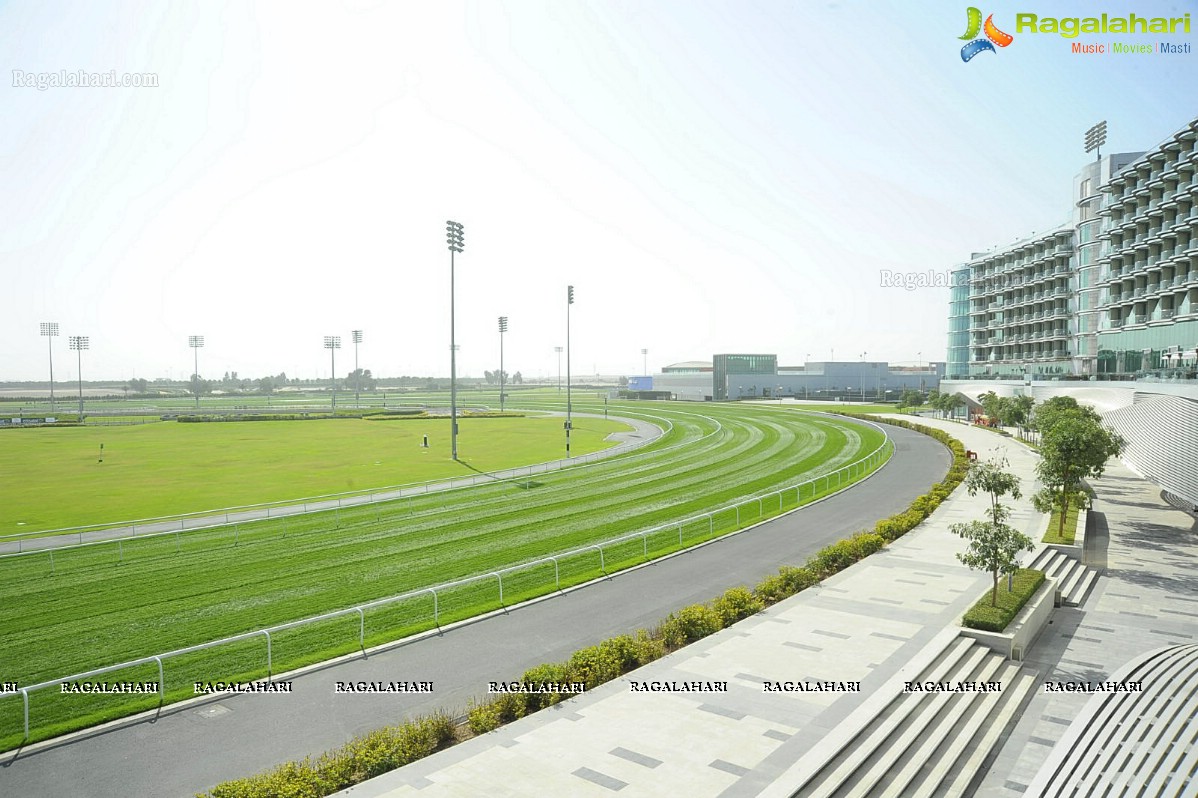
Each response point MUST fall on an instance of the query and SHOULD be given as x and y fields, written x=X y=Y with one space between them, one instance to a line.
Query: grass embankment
x=996 y=618
x=103 y=604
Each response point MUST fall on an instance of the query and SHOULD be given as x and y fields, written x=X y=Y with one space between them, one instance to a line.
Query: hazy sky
x=710 y=176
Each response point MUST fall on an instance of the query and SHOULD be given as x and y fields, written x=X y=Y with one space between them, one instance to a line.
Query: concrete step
x=1018 y=687
x=959 y=717
x=826 y=781
x=929 y=743
x=1074 y=580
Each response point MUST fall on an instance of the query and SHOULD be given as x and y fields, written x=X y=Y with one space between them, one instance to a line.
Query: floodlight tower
x=569 y=407
x=79 y=343
x=50 y=330
x=454 y=235
x=1095 y=138
x=502 y=330
x=357 y=334
x=333 y=343
x=645 y=361
x=558 y=349
x=196 y=342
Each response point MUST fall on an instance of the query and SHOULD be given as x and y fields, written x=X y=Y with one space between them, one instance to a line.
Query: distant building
x=758 y=376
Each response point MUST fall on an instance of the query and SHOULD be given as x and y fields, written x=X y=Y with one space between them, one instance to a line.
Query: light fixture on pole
x=569 y=302
x=196 y=342
x=333 y=343
x=79 y=343
x=50 y=330
x=502 y=330
x=1095 y=138
x=357 y=335
x=454 y=235
x=558 y=349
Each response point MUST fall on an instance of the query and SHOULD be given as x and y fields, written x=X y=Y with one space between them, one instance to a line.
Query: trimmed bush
x=736 y=604
x=995 y=619
x=689 y=624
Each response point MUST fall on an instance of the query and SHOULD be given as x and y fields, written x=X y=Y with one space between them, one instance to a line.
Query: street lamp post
x=502 y=330
x=569 y=407
x=357 y=335
x=79 y=343
x=455 y=237
x=50 y=330
x=558 y=349
x=196 y=342
x=333 y=343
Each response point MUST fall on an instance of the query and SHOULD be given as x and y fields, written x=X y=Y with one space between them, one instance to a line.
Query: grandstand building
x=1103 y=308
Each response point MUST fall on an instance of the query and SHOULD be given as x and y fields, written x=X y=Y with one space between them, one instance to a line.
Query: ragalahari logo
x=993 y=34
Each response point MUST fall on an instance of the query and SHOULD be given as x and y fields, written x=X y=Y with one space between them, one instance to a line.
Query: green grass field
x=101 y=605
x=55 y=477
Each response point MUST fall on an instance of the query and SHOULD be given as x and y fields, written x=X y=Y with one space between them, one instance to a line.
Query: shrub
x=736 y=604
x=548 y=673
x=995 y=619
x=689 y=624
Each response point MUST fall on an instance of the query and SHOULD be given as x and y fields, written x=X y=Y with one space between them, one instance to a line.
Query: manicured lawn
x=1054 y=522
x=102 y=604
x=54 y=477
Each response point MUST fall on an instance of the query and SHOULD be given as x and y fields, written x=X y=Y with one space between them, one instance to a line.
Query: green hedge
x=995 y=619
x=612 y=658
x=358 y=760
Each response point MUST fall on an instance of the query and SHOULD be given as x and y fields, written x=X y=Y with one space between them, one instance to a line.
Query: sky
x=709 y=176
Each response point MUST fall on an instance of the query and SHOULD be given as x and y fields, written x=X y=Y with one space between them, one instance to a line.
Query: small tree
x=993 y=548
x=993 y=544
x=1074 y=447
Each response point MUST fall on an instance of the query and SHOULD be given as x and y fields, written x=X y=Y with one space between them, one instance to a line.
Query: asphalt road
x=190 y=748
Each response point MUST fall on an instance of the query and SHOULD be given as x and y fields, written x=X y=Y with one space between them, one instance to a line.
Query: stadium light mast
x=79 y=343
x=357 y=335
x=196 y=342
x=558 y=349
x=1095 y=138
x=454 y=235
x=502 y=330
x=569 y=407
x=333 y=343
x=50 y=330
x=645 y=362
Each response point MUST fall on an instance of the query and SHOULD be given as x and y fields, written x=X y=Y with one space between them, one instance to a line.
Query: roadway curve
x=193 y=746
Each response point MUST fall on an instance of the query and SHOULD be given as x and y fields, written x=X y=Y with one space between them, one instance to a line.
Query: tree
x=266 y=385
x=910 y=398
x=993 y=544
x=1074 y=447
x=361 y=380
x=138 y=385
x=517 y=378
x=199 y=385
x=991 y=404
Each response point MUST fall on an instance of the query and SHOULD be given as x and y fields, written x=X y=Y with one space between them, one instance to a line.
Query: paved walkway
x=1146 y=599
x=867 y=625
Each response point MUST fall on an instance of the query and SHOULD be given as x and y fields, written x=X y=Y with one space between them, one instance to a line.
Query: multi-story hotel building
x=1103 y=308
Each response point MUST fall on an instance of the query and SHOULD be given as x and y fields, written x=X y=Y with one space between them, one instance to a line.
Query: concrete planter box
x=1079 y=538
x=1024 y=629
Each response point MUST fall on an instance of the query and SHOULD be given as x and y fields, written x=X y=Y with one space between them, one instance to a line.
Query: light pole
x=196 y=342
x=919 y=369
x=502 y=330
x=333 y=343
x=863 y=354
x=558 y=349
x=645 y=361
x=50 y=330
x=454 y=236
x=79 y=343
x=569 y=302
x=357 y=335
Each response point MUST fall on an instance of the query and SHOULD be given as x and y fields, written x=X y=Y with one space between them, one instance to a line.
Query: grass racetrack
x=55 y=477
x=100 y=605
